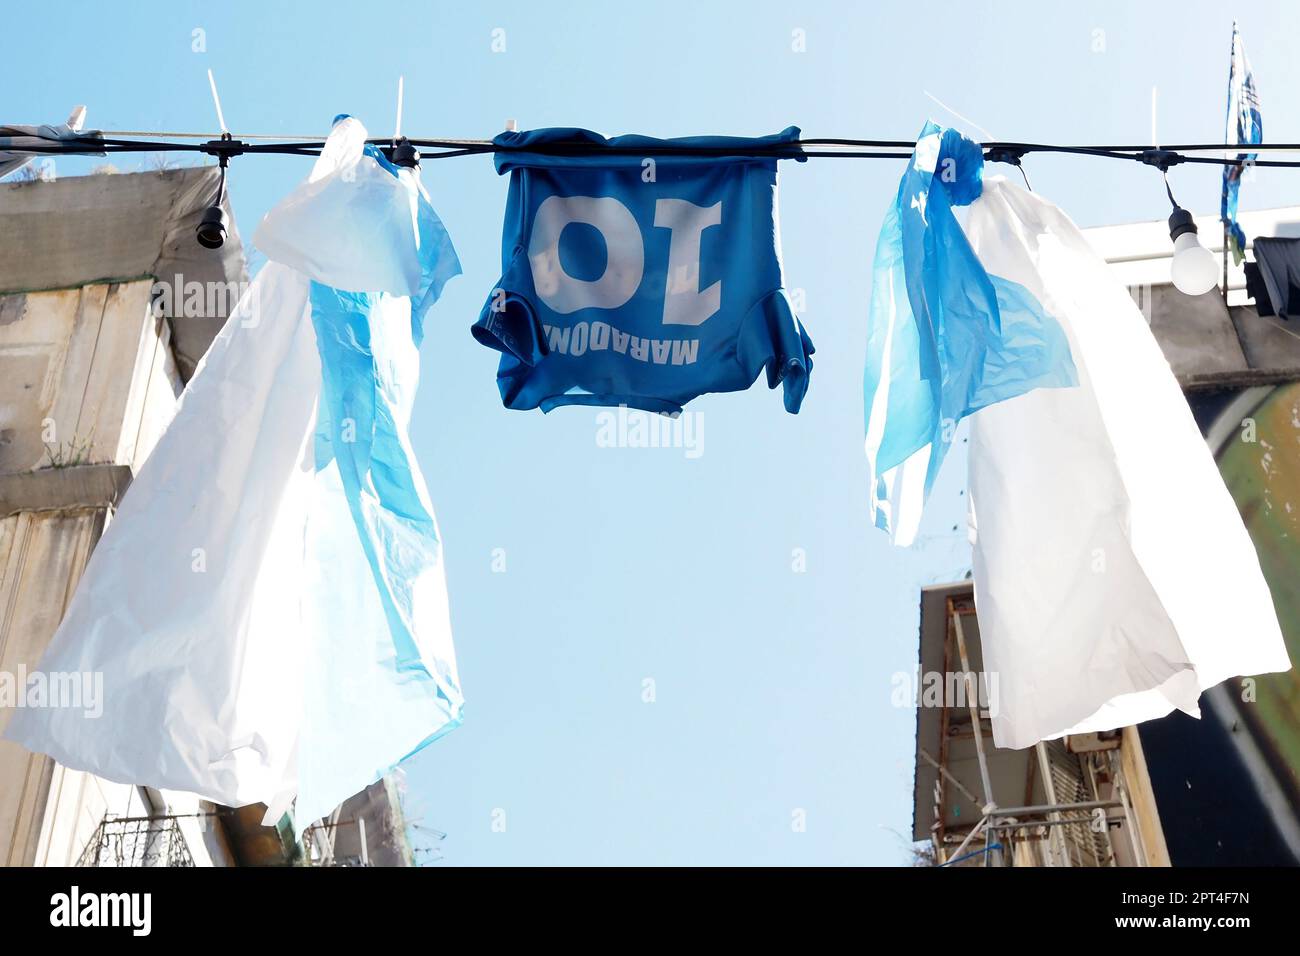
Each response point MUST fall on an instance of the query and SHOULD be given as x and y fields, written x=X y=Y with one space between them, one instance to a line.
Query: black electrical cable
x=995 y=151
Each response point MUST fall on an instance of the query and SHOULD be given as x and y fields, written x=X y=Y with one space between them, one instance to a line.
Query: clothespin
x=403 y=153
x=512 y=126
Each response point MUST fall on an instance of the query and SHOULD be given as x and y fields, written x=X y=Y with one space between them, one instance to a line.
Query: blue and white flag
x=1245 y=128
x=945 y=338
x=268 y=607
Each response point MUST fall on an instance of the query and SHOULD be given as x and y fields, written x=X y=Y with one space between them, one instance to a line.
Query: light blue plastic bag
x=945 y=339
x=374 y=694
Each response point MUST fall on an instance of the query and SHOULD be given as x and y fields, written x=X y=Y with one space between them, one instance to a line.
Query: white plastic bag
x=1113 y=575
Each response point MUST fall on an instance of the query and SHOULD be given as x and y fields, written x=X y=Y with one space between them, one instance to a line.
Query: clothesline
x=1032 y=330
x=900 y=144
x=227 y=145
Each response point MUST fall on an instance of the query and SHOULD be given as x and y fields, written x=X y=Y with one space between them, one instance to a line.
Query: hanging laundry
x=945 y=338
x=268 y=606
x=1114 y=578
x=637 y=278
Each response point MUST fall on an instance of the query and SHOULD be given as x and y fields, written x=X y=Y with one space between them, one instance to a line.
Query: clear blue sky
x=773 y=688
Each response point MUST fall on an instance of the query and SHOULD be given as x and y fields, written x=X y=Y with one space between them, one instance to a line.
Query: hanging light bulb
x=211 y=230
x=1195 y=270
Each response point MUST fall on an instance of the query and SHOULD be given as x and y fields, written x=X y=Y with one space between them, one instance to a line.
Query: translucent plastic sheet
x=268 y=606
x=945 y=338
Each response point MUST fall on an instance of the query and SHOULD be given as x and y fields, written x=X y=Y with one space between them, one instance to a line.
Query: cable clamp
x=224 y=148
x=1005 y=154
x=1161 y=159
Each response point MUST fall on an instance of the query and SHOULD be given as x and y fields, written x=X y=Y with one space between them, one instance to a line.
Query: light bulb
x=1194 y=268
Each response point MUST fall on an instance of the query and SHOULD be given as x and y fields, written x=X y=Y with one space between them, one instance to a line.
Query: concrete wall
x=1209 y=344
x=89 y=230
x=85 y=377
x=41 y=556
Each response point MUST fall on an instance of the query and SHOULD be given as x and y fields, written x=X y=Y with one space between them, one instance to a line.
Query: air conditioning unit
x=1091 y=743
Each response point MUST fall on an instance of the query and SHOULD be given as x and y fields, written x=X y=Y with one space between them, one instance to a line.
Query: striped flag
x=1244 y=128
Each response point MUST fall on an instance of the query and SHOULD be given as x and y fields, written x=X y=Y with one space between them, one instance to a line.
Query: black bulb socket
x=406 y=155
x=211 y=230
x=1180 y=223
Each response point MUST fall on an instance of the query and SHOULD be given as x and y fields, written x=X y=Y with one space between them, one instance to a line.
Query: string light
x=212 y=227
x=1194 y=270
x=837 y=148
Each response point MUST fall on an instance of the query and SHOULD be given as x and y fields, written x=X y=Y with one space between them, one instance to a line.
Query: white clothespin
x=512 y=126
x=216 y=101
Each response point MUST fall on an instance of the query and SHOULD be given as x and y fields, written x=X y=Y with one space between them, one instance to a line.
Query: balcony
x=137 y=842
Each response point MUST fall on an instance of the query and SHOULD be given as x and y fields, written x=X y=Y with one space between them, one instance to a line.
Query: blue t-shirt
x=633 y=277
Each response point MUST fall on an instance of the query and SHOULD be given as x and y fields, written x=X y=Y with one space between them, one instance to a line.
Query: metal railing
x=137 y=842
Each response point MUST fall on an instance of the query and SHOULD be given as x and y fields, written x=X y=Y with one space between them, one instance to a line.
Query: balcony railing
x=137 y=842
